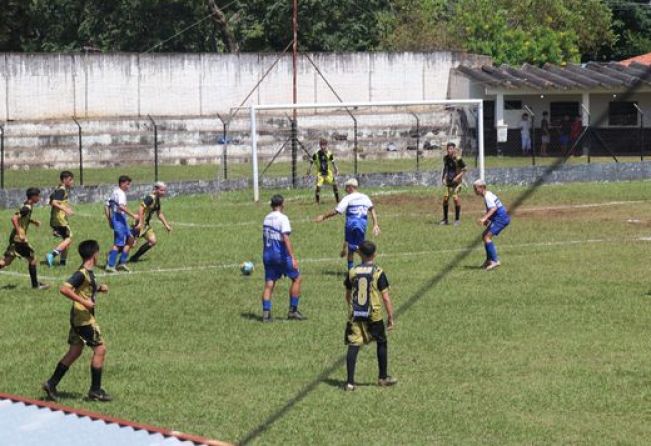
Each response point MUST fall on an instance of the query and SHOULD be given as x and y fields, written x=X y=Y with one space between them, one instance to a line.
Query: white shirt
x=275 y=224
x=525 y=126
x=117 y=198
x=356 y=207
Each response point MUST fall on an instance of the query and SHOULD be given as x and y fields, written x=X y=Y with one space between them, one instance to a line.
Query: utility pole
x=295 y=91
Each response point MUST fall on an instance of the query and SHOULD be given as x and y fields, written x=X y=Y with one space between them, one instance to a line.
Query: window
x=512 y=105
x=557 y=110
x=622 y=113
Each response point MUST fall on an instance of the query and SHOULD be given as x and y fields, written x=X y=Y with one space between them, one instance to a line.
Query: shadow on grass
x=340 y=383
x=8 y=287
x=249 y=315
x=335 y=273
x=64 y=396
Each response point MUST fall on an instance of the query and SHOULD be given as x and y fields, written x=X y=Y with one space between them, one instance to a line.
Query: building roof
x=644 y=59
x=589 y=76
x=30 y=422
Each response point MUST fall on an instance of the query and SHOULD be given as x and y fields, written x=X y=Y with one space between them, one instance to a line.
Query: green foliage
x=632 y=26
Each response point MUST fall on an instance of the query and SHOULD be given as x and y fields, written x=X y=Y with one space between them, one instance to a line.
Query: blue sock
x=266 y=305
x=112 y=258
x=492 y=252
x=488 y=254
x=124 y=257
x=350 y=264
x=293 y=303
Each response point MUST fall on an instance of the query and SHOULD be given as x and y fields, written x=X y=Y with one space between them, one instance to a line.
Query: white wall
x=38 y=86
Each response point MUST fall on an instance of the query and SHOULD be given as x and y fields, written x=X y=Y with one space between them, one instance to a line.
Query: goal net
x=364 y=138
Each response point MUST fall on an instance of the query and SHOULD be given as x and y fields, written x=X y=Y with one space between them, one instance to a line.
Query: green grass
x=552 y=348
x=145 y=174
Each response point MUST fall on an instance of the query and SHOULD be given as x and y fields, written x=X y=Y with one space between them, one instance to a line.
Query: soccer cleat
x=99 y=395
x=49 y=258
x=387 y=382
x=50 y=390
x=485 y=264
x=295 y=315
x=349 y=387
x=123 y=267
x=492 y=265
x=110 y=269
x=457 y=222
x=443 y=222
x=266 y=316
x=42 y=286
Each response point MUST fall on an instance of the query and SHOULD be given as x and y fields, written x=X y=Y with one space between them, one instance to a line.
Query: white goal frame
x=255 y=108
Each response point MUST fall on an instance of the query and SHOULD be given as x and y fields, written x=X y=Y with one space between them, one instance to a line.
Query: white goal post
x=255 y=108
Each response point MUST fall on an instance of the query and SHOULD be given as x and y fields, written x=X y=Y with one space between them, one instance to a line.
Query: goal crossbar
x=253 y=110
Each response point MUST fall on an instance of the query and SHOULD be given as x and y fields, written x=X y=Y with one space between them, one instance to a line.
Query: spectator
x=525 y=133
x=545 y=137
x=576 y=129
x=565 y=130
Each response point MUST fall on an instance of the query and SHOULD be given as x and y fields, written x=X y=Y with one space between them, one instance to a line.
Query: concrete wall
x=44 y=86
x=522 y=176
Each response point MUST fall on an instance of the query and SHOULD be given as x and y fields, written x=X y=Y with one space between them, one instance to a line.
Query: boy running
x=495 y=219
x=453 y=170
x=279 y=260
x=18 y=244
x=367 y=290
x=356 y=206
x=326 y=170
x=82 y=290
x=59 y=214
x=116 y=213
x=149 y=206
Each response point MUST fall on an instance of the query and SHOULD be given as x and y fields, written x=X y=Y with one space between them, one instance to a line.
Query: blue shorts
x=121 y=234
x=564 y=140
x=275 y=269
x=354 y=237
x=498 y=226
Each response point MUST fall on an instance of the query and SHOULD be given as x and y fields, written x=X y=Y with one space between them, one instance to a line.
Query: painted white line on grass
x=17 y=274
x=580 y=206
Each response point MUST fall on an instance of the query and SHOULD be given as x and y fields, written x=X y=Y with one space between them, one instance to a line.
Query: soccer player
x=18 y=244
x=367 y=290
x=495 y=219
x=326 y=170
x=149 y=206
x=81 y=288
x=59 y=214
x=356 y=206
x=116 y=212
x=279 y=260
x=453 y=170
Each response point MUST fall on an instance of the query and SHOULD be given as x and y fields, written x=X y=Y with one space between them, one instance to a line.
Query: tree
x=632 y=27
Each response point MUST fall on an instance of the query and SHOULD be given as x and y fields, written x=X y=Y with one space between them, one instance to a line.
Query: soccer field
x=550 y=348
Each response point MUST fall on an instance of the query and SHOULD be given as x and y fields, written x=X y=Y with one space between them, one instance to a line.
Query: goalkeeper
x=326 y=170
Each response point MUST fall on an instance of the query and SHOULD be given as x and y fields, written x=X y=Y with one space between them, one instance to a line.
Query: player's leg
x=7 y=260
x=354 y=237
x=294 y=293
x=267 y=292
x=353 y=339
x=27 y=252
x=62 y=248
x=378 y=333
x=151 y=241
x=335 y=190
x=124 y=256
x=96 y=367
x=74 y=352
x=457 y=205
x=491 y=251
x=317 y=190
x=446 y=203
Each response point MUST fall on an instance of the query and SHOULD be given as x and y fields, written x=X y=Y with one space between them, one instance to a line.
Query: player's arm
x=125 y=209
x=36 y=223
x=15 y=221
x=461 y=173
x=290 y=250
x=487 y=216
x=67 y=289
x=140 y=218
x=326 y=216
x=376 y=226
x=60 y=206
x=107 y=214
x=334 y=165
x=388 y=305
x=163 y=220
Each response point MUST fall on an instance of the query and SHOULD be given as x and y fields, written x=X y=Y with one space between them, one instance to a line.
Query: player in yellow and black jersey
x=82 y=289
x=149 y=207
x=453 y=170
x=59 y=214
x=326 y=170
x=18 y=244
x=367 y=291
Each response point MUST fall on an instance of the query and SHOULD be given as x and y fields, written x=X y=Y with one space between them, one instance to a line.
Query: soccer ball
x=247 y=268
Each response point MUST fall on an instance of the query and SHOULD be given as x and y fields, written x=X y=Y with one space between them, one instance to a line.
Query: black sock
x=382 y=358
x=351 y=360
x=142 y=250
x=58 y=374
x=317 y=195
x=336 y=191
x=95 y=378
x=445 y=211
x=457 y=212
x=32 y=276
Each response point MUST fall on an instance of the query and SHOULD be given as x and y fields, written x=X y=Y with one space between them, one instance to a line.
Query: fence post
x=417 y=141
x=2 y=156
x=355 y=150
x=294 y=152
x=155 y=147
x=81 y=154
x=225 y=146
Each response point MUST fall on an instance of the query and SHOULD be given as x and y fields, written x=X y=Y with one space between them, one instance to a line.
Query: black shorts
x=86 y=334
x=61 y=231
x=363 y=332
x=22 y=249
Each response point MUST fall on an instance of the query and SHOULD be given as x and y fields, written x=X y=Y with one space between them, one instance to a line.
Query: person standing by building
x=545 y=137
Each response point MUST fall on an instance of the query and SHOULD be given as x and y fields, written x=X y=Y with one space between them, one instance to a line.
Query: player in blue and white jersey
x=356 y=206
x=495 y=219
x=116 y=212
x=279 y=259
